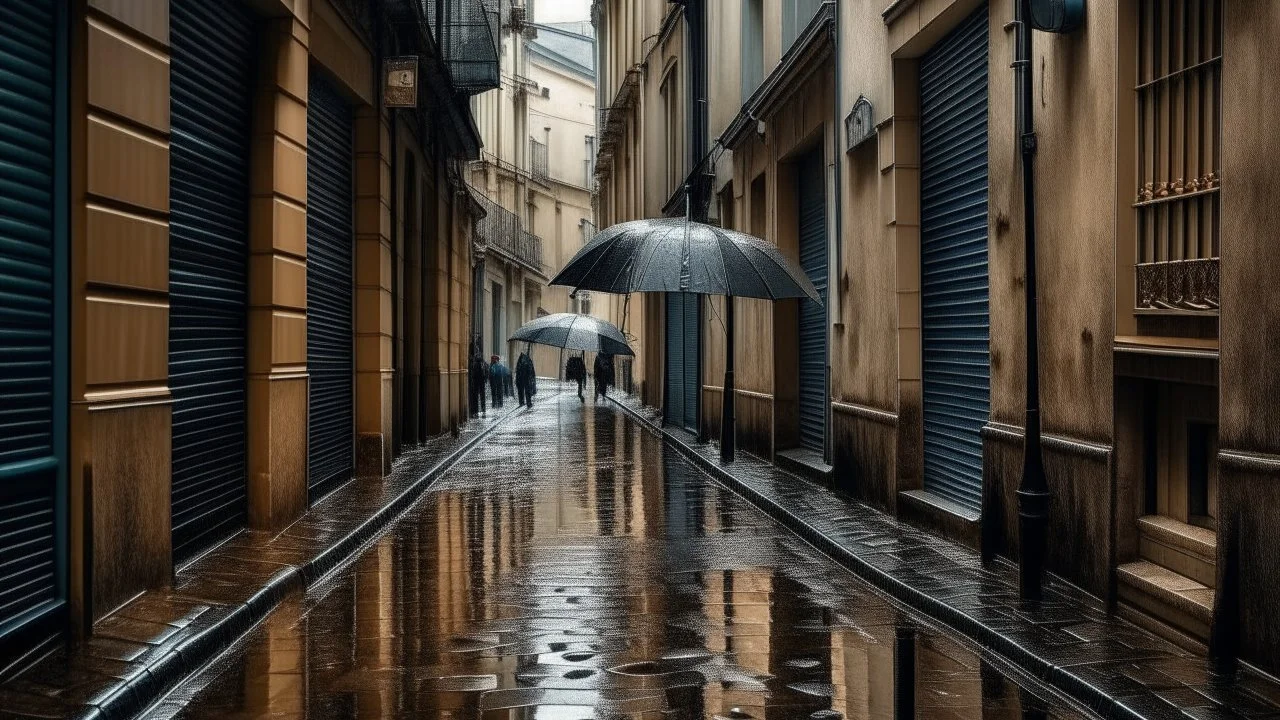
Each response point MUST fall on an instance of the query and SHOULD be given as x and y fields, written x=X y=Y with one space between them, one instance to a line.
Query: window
x=752 y=46
x=584 y=302
x=1179 y=118
x=589 y=165
x=674 y=129
x=796 y=15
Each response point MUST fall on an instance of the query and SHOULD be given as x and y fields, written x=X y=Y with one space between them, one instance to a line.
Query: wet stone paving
x=573 y=567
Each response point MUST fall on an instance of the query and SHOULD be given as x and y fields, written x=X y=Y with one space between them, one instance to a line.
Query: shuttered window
x=331 y=424
x=954 y=277
x=813 y=316
x=211 y=101
x=30 y=443
x=1179 y=111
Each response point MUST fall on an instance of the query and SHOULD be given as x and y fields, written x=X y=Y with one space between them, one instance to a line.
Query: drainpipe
x=833 y=275
x=1033 y=491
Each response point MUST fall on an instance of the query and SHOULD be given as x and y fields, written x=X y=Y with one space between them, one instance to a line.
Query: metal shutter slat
x=28 y=461
x=813 y=317
x=954 y=293
x=331 y=423
x=211 y=86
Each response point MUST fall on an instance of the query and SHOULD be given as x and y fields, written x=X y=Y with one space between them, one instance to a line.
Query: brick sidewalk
x=146 y=648
x=1070 y=642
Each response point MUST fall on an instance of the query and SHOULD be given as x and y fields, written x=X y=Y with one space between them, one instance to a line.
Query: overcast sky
x=550 y=11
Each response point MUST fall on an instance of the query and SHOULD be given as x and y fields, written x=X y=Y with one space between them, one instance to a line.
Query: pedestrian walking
x=499 y=378
x=478 y=377
x=576 y=371
x=604 y=375
x=526 y=379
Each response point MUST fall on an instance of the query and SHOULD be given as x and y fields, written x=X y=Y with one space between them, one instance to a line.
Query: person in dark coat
x=604 y=375
x=576 y=371
x=525 y=379
x=499 y=377
x=478 y=377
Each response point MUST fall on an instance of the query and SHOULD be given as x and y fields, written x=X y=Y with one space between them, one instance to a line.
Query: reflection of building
x=232 y=278
x=876 y=147
x=537 y=170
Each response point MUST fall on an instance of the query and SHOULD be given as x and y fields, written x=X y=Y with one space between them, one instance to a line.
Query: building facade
x=535 y=177
x=238 y=277
x=877 y=147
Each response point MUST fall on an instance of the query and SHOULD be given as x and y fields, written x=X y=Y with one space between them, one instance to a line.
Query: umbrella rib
x=728 y=281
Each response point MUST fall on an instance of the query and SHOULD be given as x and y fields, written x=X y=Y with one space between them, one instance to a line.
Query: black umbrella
x=679 y=255
x=575 y=332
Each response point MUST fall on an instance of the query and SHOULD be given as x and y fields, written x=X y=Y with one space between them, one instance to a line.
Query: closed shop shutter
x=954 y=279
x=675 y=391
x=29 y=449
x=211 y=79
x=331 y=425
x=813 y=317
x=692 y=359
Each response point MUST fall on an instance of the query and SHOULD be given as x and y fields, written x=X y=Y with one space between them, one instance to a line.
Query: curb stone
x=1057 y=678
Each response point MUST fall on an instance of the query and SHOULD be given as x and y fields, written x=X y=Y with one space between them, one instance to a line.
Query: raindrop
x=579 y=674
x=578 y=656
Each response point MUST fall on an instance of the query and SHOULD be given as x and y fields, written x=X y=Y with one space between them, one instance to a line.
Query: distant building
x=536 y=175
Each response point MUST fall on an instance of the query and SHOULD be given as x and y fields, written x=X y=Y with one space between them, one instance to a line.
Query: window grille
x=1179 y=113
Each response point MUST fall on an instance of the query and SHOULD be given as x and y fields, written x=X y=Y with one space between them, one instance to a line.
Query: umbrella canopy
x=678 y=255
x=574 y=332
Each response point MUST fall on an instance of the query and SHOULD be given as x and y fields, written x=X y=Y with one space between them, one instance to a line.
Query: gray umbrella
x=678 y=255
x=574 y=332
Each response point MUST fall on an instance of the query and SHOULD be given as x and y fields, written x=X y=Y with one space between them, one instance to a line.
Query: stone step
x=1173 y=598
x=1178 y=546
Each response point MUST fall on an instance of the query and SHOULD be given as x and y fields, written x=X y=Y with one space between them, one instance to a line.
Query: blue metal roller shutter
x=675 y=390
x=954 y=279
x=30 y=388
x=331 y=426
x=692 y=360
x=211 y=76
x=813 y=317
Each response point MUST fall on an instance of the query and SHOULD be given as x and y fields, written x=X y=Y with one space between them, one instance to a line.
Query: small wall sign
x=400 y=88
x=859 y=126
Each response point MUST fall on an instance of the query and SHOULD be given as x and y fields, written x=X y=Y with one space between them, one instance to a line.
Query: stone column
x=374 y=372
x=120 y=415
x=277 y=325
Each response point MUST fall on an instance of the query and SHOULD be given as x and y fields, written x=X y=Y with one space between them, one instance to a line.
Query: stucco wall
x=1249 y=463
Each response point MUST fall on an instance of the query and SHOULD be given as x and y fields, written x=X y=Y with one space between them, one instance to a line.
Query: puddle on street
x=572 y=568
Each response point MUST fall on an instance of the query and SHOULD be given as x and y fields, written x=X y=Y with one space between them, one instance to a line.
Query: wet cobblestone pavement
x=573 y=567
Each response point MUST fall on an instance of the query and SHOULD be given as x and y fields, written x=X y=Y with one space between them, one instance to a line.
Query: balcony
x=466 y=31
x=538 y=160
x=502 y=232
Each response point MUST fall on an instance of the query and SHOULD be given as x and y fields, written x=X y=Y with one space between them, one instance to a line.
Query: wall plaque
x=400 y=87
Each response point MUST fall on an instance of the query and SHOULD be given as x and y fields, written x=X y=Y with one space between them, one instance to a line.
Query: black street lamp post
x=1033 y=491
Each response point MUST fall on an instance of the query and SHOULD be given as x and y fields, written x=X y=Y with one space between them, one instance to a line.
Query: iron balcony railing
x=502 y=231
x=538 y=159
x=467 y=33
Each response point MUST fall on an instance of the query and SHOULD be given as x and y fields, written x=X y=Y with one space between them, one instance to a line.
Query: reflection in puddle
x=571 y=568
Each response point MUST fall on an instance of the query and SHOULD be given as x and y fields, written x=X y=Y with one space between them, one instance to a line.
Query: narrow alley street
x=573 y=567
